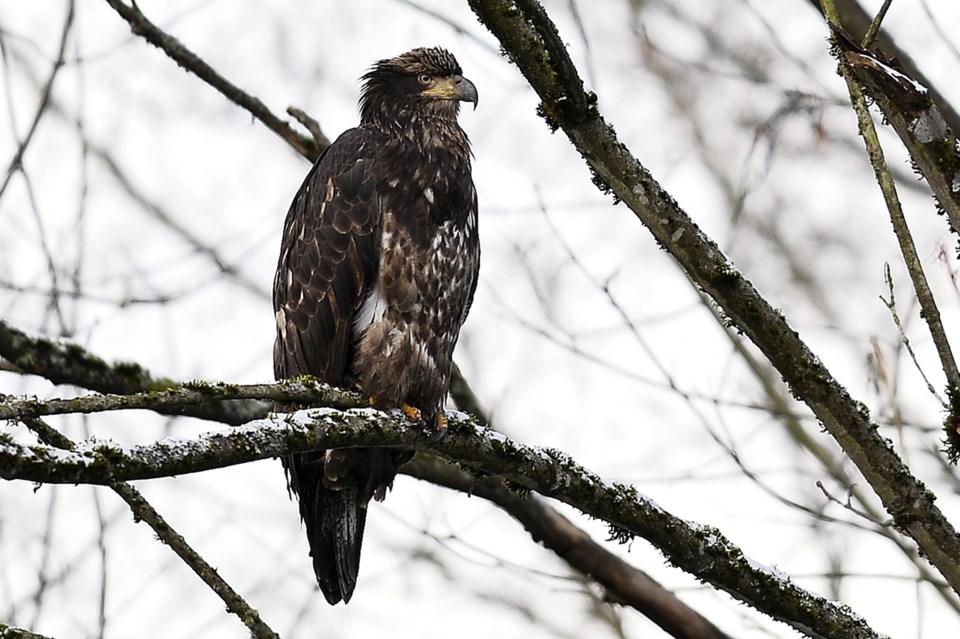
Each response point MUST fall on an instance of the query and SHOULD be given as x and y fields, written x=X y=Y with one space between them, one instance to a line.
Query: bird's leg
x=412 y=413
x=441 y=421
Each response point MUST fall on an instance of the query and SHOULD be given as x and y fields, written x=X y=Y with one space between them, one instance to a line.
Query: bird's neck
x=427 y=130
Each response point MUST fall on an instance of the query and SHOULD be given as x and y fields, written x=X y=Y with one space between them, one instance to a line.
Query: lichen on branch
x=700 y=550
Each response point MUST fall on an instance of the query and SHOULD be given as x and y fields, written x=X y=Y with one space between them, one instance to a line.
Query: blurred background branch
x=142 y=219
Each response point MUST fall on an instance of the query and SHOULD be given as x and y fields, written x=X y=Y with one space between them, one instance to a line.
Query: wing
x=328 y=260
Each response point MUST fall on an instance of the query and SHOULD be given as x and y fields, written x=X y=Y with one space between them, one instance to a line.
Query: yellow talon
x=413 y=414
x=441 y=421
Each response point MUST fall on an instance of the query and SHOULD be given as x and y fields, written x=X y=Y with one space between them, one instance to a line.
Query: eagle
x=377 y=271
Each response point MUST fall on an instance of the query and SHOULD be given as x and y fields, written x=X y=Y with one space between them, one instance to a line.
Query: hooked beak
x=455 y=87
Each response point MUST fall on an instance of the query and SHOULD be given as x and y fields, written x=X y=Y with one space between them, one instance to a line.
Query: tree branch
x=187 y=59
x=527 y=36
x=933 y=148
x=9 y=632
x=907 y=106
x=857 y=22
x=143 y=511
x=178 y=398
x=46 y=92
x=64 y=362
x=700 y=550
x=623 y=584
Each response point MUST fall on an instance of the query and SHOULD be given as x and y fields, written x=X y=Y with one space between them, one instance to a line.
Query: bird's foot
x=412 y=413
x=439 y=427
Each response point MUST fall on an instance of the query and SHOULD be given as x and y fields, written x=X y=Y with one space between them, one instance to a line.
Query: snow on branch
x=700 y=550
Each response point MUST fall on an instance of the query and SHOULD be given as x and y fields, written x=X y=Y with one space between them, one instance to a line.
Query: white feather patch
x=282 y=324
x=372 y=310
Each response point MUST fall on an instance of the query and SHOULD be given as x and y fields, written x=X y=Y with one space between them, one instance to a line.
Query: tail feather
x=333 y=506
x=336 y=537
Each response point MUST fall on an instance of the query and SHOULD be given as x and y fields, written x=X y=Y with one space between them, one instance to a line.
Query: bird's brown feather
x=377 y=270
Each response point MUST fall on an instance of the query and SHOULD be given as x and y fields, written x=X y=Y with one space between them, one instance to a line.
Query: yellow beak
x=454 y=87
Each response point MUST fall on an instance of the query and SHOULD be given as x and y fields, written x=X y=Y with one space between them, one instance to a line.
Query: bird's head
x=421 y=80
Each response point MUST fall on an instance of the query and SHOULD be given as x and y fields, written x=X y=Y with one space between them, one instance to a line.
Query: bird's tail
x=335 y=536
x=334 y=517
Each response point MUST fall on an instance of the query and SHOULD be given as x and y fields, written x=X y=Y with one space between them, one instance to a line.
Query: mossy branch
x=64 y=362
x=907 y=106
x=9 y=632
x=934 y=150
x=182 y=398
x=622 y=583
x=620 y=173
x=700 y=550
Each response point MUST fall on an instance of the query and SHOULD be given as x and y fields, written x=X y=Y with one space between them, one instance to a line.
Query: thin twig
x=871 y=33
x=190 y=61
x=891 y=305
x=142 y=510
x=17 y=162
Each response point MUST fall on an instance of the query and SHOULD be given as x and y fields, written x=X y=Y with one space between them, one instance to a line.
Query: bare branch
x=908 y=107
x=173 y=400
x=857 y=22
x=64 y=362
x=623 y=584
x=701 y=550
x=17 y=162
x=531 y=40
x=9 y=632
x=143 y=511
x=184 y=57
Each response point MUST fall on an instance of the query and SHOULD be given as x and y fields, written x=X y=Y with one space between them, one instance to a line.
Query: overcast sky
x=584 y=336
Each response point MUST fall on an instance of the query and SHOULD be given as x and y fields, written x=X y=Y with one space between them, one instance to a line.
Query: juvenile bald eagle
x=377 y=271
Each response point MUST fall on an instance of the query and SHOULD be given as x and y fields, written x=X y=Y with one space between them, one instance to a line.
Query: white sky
x=544 y=348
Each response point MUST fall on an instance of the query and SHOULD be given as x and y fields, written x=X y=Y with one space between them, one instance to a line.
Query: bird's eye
x=424 y=78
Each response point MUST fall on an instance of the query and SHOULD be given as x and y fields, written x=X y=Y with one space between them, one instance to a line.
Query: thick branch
x=857 y=21
x=69 y=363
x=700 y=550
x=9 y=632
x=623 y=584
x=908 y=106
x=525 y=38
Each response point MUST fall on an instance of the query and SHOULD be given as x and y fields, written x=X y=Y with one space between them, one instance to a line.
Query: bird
x=377 y=271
